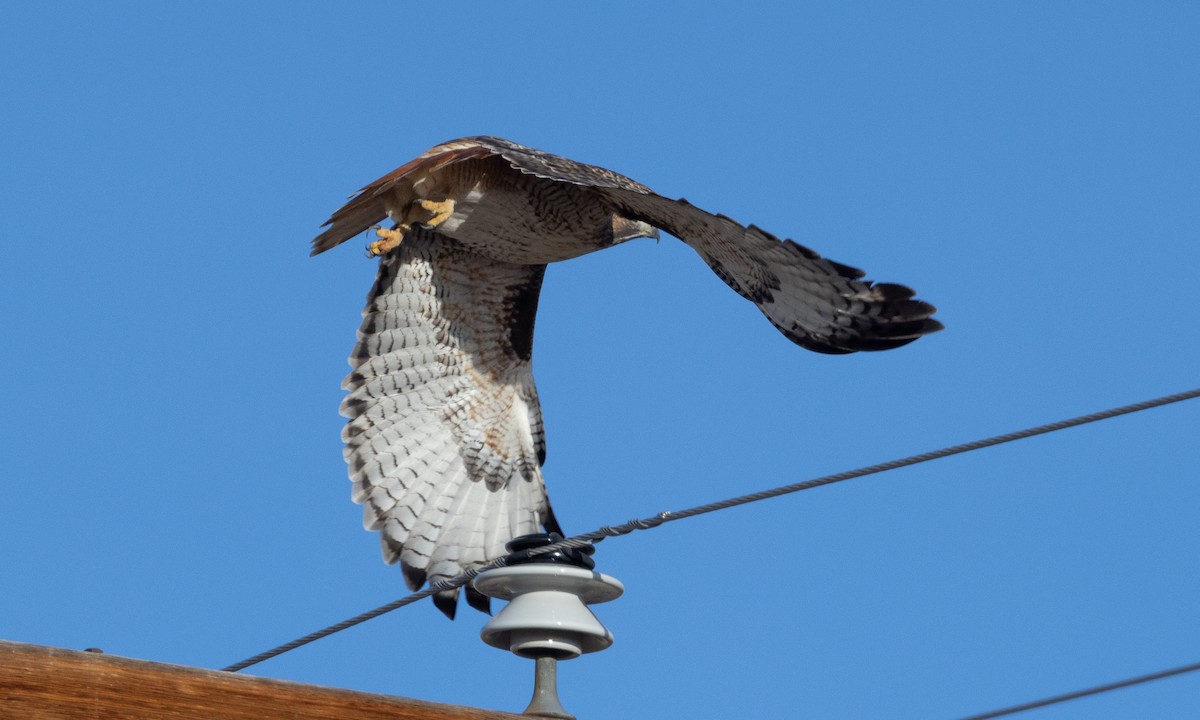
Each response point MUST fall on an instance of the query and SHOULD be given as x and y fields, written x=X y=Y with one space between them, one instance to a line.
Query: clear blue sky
x=173 y=482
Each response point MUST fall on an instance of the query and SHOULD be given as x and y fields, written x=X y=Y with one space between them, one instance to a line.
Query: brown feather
x=445 y=439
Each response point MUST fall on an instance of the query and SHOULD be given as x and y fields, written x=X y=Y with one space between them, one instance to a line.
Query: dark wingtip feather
x=329 y=237
x=446 y=601
x=550 y=522
x=413 y=577
x=931 y=326
x=892 y=291
x=327 y=240
x=478 y=600
x=889 y=323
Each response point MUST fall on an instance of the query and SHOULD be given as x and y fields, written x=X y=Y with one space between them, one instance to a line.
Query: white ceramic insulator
x=547 y=613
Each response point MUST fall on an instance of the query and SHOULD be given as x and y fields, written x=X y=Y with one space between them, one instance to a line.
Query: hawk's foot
x=441 y=211
x=389 y=238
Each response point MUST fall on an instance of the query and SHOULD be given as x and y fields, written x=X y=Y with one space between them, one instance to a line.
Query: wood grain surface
x=44 y=683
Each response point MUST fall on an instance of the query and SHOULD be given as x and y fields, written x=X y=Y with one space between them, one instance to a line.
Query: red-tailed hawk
x=445 y=441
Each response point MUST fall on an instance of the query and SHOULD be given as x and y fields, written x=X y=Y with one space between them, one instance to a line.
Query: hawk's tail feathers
x=466 y=526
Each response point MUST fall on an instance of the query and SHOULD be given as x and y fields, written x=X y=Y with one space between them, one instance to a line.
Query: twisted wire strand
x=1013 y=710
x=600 y=534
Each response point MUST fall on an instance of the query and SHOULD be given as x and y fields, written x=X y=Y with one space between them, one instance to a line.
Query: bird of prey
x=445 y=441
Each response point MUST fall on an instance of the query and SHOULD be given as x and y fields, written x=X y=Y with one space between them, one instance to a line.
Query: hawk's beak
x=626 y=229
x=648 y=231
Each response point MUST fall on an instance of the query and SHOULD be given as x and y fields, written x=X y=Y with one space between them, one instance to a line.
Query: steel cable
x=1013 y=710
x=596 y=536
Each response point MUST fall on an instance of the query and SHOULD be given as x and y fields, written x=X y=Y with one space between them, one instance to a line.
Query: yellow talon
x=441 y=211
x=389 y=238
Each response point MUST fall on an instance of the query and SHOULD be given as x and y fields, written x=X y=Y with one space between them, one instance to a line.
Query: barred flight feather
x=445 y=438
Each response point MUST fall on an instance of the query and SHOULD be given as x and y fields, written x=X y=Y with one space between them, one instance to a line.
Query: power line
x=1084 y=693
x=670 y=516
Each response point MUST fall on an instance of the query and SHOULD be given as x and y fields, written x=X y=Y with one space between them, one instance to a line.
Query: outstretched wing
x=819 y=304
x=445 y=438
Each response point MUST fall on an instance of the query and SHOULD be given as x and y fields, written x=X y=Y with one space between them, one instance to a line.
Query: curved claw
x=389 y=238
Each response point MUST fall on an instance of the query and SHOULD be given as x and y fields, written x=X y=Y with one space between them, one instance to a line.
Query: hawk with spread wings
x=445 y=441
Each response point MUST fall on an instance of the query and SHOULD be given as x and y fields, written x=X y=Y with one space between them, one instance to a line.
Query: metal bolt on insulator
x=547 y=618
